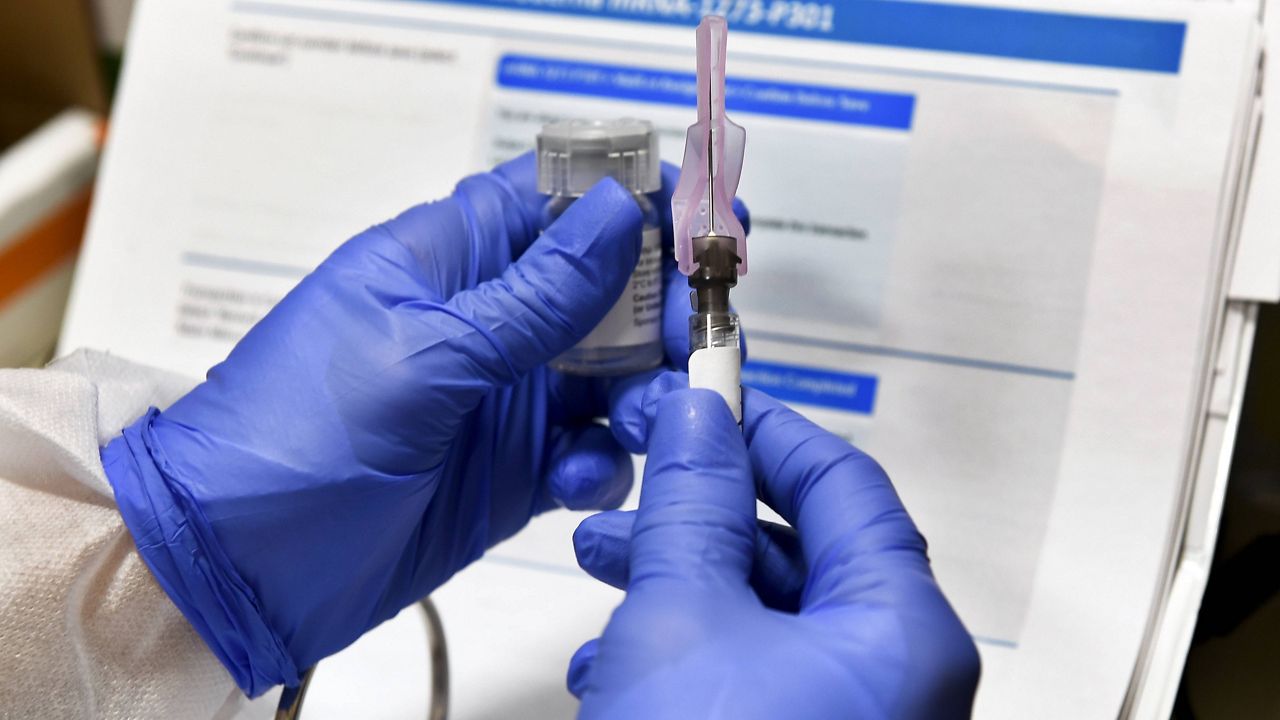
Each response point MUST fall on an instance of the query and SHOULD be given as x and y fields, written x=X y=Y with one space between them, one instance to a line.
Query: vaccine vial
x=573 y=155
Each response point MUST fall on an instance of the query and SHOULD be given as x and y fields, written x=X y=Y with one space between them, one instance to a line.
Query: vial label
x=636 y=319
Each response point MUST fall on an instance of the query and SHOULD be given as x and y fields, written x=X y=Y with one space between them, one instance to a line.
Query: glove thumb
x=696 y=525
x=579 y=677
x=561 y=287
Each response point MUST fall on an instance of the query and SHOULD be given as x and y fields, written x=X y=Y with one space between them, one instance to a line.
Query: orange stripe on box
x=54 y=239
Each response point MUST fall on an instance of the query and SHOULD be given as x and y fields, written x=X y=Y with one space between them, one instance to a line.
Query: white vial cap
x=573 y=155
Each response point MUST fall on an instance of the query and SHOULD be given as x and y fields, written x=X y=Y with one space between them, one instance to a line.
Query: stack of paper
x=992 y=245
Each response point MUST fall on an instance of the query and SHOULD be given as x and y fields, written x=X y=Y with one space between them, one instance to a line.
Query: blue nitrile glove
x=385 y=424
x=869 y=635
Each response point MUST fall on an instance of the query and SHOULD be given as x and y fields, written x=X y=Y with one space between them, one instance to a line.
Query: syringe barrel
x=713 y=330
x=715 y=361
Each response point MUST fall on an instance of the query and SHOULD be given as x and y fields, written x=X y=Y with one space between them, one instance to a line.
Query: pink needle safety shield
x=702 y=204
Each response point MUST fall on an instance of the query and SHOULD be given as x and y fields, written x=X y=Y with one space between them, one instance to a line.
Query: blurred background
x=59 y=60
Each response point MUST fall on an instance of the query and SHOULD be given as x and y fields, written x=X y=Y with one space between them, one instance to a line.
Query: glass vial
x=573 y=155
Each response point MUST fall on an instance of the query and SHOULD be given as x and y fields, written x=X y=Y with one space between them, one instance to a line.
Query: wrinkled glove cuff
x=178 y=545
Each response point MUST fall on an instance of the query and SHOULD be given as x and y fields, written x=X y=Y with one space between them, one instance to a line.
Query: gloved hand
x=726 y=619
x=386 y=423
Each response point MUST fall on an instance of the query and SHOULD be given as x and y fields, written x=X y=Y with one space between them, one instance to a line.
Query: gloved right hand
x=712 y=626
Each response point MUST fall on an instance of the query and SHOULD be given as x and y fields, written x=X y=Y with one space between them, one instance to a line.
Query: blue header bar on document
x=847 y=391
x=1058 y=37
x=766 y=97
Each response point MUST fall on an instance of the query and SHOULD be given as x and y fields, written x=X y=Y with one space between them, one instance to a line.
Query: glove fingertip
x=626 y=420
x=593 y=473
x=602 y=543
x=743 y=214
x=630 y=432
x=585 y=539
x=663 y=385
x=579 y=673
x=634 y=403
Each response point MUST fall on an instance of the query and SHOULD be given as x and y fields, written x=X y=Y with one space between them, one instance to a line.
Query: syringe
x=711 y=246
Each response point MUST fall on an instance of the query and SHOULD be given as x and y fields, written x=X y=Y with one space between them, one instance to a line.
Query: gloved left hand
x=385 y=424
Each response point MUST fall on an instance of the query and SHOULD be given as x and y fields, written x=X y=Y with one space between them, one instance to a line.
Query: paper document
x=988 y=247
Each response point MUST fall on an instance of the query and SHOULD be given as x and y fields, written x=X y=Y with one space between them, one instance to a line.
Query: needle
x=711 y=166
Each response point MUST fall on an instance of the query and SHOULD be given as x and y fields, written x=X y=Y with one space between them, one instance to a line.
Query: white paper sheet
x=1017 y=286
x=1256 y=274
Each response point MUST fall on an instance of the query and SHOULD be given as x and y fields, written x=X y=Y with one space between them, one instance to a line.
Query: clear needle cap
x=702 y=203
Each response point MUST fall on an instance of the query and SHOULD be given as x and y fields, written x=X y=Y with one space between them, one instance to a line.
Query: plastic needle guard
x=702 y=203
